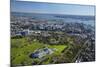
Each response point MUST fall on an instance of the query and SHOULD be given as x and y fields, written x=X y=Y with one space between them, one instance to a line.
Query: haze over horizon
x=52 y=8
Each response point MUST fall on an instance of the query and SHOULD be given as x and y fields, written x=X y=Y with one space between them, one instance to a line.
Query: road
x=74 y=59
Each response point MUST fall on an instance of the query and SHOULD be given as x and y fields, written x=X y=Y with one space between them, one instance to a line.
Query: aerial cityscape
x=49 y=33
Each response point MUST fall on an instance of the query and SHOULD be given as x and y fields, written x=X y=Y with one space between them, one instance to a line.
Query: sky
x=52 y=8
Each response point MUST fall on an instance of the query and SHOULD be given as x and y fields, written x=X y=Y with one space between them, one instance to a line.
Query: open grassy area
x=22 y=48
x=59 y=48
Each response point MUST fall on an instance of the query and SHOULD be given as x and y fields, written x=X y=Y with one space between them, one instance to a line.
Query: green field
x=22 y=48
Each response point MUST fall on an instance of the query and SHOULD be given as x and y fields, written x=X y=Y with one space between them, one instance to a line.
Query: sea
x=88 y=20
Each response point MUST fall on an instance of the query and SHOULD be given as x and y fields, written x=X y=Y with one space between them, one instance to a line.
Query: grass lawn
x=21 y=49
x=59 y=48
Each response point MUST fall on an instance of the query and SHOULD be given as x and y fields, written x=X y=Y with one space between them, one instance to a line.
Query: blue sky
x=51 y=8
